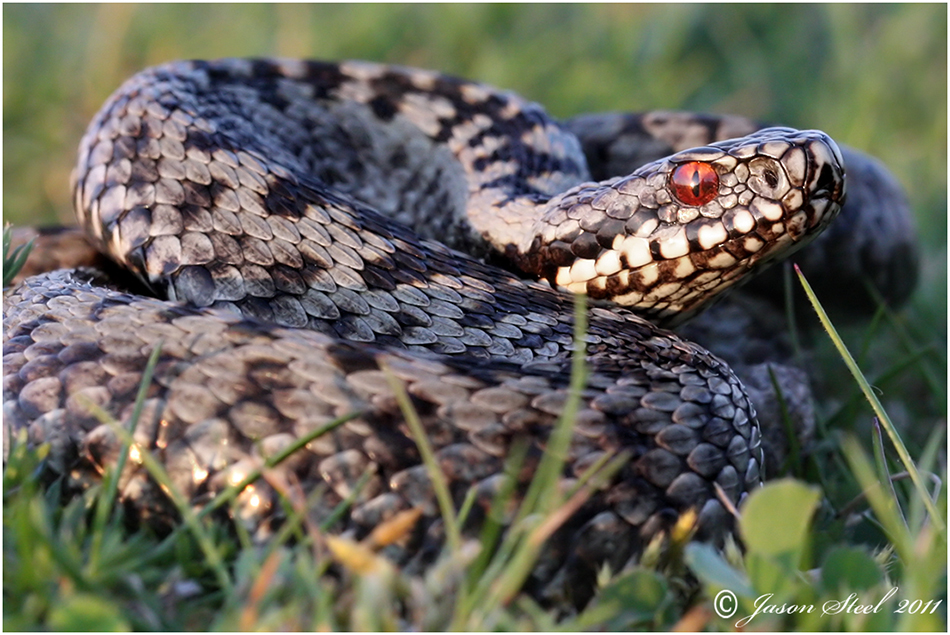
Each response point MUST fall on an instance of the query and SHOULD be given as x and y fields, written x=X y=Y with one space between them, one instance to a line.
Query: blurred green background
x=872 y=76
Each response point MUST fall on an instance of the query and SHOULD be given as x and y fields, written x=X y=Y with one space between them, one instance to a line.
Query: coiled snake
x=269 y=201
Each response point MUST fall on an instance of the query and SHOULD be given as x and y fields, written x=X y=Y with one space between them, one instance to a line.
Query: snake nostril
x=767 y=178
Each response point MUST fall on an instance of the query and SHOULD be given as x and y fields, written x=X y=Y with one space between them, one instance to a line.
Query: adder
x=295 y=232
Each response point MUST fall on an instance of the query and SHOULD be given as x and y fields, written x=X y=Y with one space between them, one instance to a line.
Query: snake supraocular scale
x=259 y=194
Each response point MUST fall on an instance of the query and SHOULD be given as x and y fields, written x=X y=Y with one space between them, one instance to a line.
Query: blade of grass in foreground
x=155 y=469
x=453 y=534
x=233 y=490
x=13 y=260
x=885 y=421
x=110 y=491
x=518 y=552
x=879 y=496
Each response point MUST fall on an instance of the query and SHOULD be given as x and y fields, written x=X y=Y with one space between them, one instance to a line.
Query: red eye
x=694 y=183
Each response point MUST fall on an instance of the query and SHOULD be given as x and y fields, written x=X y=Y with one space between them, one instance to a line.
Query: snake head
x=678 y=231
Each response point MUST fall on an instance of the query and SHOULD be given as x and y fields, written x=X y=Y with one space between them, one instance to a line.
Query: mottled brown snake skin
x=267 y=202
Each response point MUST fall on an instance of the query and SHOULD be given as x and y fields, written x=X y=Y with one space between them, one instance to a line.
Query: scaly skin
x=254 y=196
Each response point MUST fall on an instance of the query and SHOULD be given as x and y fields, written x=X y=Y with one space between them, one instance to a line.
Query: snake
x=300 y=234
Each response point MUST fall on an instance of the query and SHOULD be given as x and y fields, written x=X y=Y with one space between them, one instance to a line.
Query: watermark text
x=726 y=604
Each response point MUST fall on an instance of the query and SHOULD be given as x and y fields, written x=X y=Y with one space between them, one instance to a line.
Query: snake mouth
x=825 y=187
x=832 y=186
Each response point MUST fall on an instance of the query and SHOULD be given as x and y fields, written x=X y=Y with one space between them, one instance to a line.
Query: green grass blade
x=541 y=492
x=233 y=490
x=453 y=534
x=543 y=495
x=886 y=478
x=13 y=261
x=789 y=297
x=111 y=487
x=344 y=505
x=157 y=472
x=877 y=495
x=487 y=565
x=875 y=405
x=793 y=459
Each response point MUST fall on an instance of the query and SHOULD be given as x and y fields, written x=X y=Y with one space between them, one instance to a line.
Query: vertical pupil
x=694 y=181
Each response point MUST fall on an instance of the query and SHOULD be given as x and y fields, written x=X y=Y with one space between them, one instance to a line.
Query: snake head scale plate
x=676 y=232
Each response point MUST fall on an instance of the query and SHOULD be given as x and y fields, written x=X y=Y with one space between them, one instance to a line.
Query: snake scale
x=267 y=203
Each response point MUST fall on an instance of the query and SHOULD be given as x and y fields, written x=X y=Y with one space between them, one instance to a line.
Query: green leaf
x=774 y=525
x=773 y=574
x=776 y=517
x=634 y=598
x=849 y=568
x=83 y=612
x=712 y=569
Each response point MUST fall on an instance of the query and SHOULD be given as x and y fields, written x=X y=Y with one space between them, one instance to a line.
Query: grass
x=13 y=258
x=842 y=68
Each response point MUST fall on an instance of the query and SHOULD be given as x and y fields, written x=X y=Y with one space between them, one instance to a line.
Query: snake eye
x=695 y=183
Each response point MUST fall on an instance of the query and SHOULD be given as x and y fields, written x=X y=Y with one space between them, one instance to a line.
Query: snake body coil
x=270 y=200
